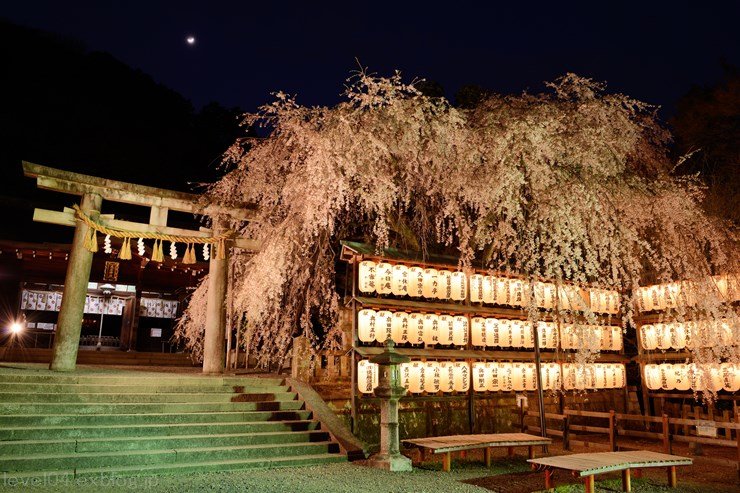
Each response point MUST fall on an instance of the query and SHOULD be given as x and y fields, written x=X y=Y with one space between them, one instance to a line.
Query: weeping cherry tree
x=574 y=185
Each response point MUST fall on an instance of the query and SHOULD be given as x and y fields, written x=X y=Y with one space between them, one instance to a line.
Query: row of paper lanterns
x=457 y=376
x=433 y=329
x=441 y=284
x=678 y=335
x=670 y=295
x=683 y=376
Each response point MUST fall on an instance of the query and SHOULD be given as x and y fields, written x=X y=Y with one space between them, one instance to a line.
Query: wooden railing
x=565 y=428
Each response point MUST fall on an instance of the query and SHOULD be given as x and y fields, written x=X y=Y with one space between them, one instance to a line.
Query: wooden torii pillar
x=94 y=191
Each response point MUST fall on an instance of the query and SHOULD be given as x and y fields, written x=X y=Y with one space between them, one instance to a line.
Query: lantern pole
x=353 y=352
x=540 y=392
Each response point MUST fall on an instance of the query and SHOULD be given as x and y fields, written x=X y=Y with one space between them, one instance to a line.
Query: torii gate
x=93 y=191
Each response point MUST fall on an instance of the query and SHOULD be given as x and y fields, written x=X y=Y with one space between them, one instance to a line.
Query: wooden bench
x=589 y=464
x=454 y=443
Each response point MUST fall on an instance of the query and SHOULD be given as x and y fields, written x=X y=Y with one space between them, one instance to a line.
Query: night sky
x=651 y=50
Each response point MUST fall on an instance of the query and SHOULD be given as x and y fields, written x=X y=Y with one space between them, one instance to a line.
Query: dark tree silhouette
x=708 y=122
x=66 y=107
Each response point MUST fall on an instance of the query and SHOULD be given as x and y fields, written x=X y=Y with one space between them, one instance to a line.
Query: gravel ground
x=335 y=478
x=353 y=477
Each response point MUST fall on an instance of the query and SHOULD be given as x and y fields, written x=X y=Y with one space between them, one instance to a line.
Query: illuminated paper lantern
x=489 y=294
x=430 y=285
x=432 y=377
x=678 y=335
x=600 y=376
x=568 y=336
x=518 y=337
x=730 y=377
x=715 y=381
x=446 y=376
x=383 y=278
x=612 y=302
x=494 y=382
x=591 y=337
x=614 y=375
x=681 y=376
x=564 y=301
x=611 y=338
x=530 y=376
x=367 y=376
x=597 y=300
x=527 y=335
x=416 y=282
x=657 y=297
x=493 y=334
x=383 y=326
x=570 y=298
x=431 y=329
x=671 y=294
x=663 y=333
x=545 y=295
x=460 y=330
x=366 y=325
x=707 y=377
x=366 y=272
x=400 y=280
x=505 y=373
x=517 y=377
x=648 y=336
x=416 y=376
x=651 y=373
x=446 y=329
x=478 y=331
x=462 y=376
x=688 y=293
x=705 y=333
x=604 y=301
x=667 y=376
x=690 y=329
x=445 y=284
x=416 y=328
x=517 y=293
x=550 y=378
x=547 y=333
x=695 y=375
x=644 y=300
x=459 y=286
x=476 y=288
x=578 y=377
x=481 y=376
x=501 y=291
x=503 y=333
x=400 y=328
x=551 y=296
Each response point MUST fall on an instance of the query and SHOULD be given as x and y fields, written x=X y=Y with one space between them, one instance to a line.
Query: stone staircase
x=131 y=423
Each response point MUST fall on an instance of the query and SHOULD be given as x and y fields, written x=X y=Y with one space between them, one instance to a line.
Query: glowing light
x=190 y=40
x=15 y=328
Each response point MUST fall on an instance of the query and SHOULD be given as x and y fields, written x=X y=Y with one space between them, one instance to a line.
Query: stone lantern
x=389 y=391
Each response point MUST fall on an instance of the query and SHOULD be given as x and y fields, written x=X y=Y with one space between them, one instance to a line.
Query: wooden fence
x=572 y=425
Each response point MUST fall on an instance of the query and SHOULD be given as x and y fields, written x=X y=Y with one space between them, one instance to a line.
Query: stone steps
x=145 y=430
x=146 y=407
x=150 y=418
x=127 y=423
x=141 y=397
x=109 y=444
